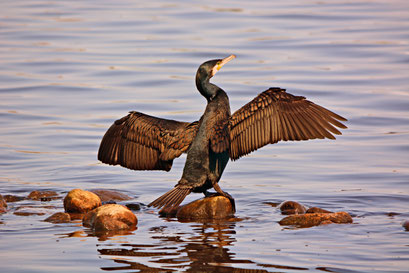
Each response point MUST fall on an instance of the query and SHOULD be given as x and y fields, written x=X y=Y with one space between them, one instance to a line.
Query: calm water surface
x=68 y=69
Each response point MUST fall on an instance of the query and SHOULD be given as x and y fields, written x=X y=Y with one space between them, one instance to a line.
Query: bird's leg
x=225 y=194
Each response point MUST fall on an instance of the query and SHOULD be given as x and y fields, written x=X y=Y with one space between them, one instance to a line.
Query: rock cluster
x=87 y=206
x=312 y=217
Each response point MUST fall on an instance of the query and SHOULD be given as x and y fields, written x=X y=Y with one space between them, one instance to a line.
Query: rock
x=26 y=213
x=3 y=205
x=315 y=219
x=80 y=201
x=406 y=225
x=59 y=217
x=208 y=208
x=317 y=210
x=110 y=217
x=133 y=206
x=12 y=198
x=110 y=195
x=291 y=207
x=43 y=195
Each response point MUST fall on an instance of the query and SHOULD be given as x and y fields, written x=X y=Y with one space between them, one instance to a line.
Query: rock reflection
x=206 y=250
x=102 y=235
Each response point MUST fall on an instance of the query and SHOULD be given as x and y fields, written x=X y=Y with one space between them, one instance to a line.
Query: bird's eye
x=218 y=65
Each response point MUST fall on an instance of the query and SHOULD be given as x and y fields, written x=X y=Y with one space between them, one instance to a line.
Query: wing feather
x=142 y=142
x=276 y=115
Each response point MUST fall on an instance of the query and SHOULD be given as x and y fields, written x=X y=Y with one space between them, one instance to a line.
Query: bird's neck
x=207 y=89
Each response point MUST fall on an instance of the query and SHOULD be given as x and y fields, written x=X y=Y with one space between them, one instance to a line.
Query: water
x=69 y=68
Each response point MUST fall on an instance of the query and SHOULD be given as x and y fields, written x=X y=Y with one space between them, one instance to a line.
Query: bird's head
x=206 y=71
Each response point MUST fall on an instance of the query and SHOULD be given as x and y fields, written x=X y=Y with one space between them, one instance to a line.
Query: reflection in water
x=207 y=250
x=69 y=68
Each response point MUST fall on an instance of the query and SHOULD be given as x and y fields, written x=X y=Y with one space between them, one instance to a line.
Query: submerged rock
x=110 y=195
x=32 y=210
x=3 y=204
x=208 y=208
x=43 y=195
x=59 y=217
x=291 y=207
x=110 y=217
x=315 y=219
x=80 y=201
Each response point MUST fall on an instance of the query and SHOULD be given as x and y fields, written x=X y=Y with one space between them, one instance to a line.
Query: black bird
x=142 y=142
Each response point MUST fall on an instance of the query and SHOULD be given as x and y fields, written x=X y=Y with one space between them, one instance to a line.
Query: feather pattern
x=276 y=115
x=142 y=142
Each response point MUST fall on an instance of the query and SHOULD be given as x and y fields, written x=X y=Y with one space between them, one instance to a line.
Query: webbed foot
x=225 y=194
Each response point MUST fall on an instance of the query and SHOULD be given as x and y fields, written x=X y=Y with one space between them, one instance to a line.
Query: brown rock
x=3 y=205
x=110 y=195
x=110 y=217
x=208 y=208
x=12 y=198
x=315 y=219
x=59 y=217
x=80 y=201
x=406 y=225
x=317 y=210
x=133 y=206
x=291 y=207
x=43 y=195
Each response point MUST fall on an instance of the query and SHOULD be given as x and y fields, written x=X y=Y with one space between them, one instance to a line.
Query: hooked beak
x=221 y=63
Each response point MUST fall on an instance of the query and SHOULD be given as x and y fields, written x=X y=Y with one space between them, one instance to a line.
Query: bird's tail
x=172 y=198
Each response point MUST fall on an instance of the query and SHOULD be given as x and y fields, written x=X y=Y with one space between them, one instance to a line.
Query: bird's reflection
x=206 y=250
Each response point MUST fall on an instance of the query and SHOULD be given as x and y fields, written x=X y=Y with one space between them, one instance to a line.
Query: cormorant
x=142 y=142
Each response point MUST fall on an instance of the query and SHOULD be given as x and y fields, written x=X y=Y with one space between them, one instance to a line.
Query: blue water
x=68 y=69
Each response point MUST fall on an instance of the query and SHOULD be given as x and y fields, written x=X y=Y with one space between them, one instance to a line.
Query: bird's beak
x=225 y=61
x=221 y=63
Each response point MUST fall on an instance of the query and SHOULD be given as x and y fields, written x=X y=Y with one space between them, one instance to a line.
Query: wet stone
x=315 y=219
x=133 y=206
x=13 y=198
x=59 y=217
x=43 y=195
x=81 y=201
x=291 y=207
x=3 y=204
x=110 y=217
x=208 y=208
x=110 y=195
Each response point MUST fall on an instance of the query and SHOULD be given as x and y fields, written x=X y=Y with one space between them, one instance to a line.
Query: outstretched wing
x=142 y=142
x=276 y=115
